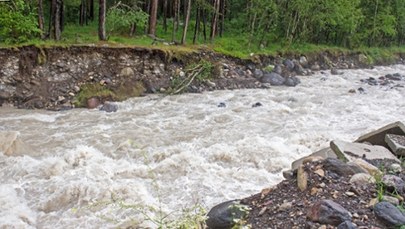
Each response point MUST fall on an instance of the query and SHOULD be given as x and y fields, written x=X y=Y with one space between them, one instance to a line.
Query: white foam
x=160 y=154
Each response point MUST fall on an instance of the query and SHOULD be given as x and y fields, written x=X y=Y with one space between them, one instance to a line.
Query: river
x=161 y=158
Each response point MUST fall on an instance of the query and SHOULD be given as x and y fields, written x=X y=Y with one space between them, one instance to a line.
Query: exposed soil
x=285 y=206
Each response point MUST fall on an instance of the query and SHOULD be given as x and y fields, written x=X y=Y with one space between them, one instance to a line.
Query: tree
x=153 y=17
x=186 y=21
x=18 y=21
x=101 y=20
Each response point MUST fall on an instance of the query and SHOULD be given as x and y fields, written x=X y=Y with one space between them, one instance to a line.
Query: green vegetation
x=233 y=27
x=120 y=93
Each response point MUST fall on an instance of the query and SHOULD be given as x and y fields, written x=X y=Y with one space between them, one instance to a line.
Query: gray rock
x=273 y=79
x=277 y=69
x=348 y=151
x=299 y=69
x=396 y=143
x=109 y=107
x=303 y=61
x=7 y=91
x=223 y=215
x=315 y=67
x=340 y=168
x=292 y=81
x=362 y=179
x=393 y=183
x=323 y=153
x=289 y=64
x=127 y=72
x=258 y=73
x=377 y=137
x=334 y=71
x=347 y=225
x=328 y=212
x=390 y=199
x=389 y=214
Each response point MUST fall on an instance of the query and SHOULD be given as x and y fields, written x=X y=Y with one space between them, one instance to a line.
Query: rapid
x=161 y=158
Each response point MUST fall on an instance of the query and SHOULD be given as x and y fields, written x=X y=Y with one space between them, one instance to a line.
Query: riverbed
x=159 y=158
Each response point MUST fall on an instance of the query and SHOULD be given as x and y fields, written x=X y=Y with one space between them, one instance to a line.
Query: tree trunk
x=41 y=17
x=197 y=25
x=82 y=12
x=57 y=24
x=214 y=23
x=62 y=15
x=175 y=19
x=222 y=22
x=91 y=10
x=153 y=17
x=204 y=16
x=133 y=30
x=51 y=27
x=165 y=15
x=186 y=20
x=101 y=20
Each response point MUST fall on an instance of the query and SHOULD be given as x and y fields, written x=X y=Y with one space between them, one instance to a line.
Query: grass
x=235 y=45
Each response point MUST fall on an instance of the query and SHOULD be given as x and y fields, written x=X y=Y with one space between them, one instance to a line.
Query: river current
x=160 y=158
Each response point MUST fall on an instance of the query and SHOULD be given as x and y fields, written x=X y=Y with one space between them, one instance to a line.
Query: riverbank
x=58 y=78
x=346 y=185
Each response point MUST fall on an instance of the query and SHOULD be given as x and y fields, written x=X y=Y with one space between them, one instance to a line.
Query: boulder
x=362 y=179
x=389 y=214
x=273 y=78
x=289 y=64
x=93 y=103
x=258 y=73
x=348 y=151
x=396 y=143
x=328 y=212
x=377 y=137
x=393 y=183
x=127 y=72
x=109 y=107
x=347 y=225
x=223 y=215
x=371 y=169
x=277 y=69
x=292 y=81
x=11 y=144
x=340 y=168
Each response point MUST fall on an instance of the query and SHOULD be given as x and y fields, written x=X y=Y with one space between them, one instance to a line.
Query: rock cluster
x=349 y=185
x=54 y=78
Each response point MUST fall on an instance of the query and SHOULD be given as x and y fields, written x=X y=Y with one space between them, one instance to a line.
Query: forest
x=242 y=23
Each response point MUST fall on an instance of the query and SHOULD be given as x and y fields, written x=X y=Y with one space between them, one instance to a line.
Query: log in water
x=159 y=156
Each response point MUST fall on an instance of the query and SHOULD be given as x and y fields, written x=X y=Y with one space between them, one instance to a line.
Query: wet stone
x=393 y=183
x=328 y=212
x=274 y=79
x=340 y=168
x=389 y=214
x=224 y=215
x=347 y=225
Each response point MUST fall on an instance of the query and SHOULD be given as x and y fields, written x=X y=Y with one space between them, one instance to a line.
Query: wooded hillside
x=344 y=23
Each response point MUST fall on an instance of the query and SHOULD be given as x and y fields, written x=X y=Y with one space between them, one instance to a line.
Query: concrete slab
x=396 y=143
x=348 y=151
x=323 y=153
x=377 y=137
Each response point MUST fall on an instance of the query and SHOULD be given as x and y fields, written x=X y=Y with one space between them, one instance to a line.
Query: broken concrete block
x=396 y=143
x=348 y=151
x=323 y=153
x=377 y=137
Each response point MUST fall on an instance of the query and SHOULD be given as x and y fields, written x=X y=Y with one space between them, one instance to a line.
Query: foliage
x=17 y=22
x=88 y=91
x=121 y=17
